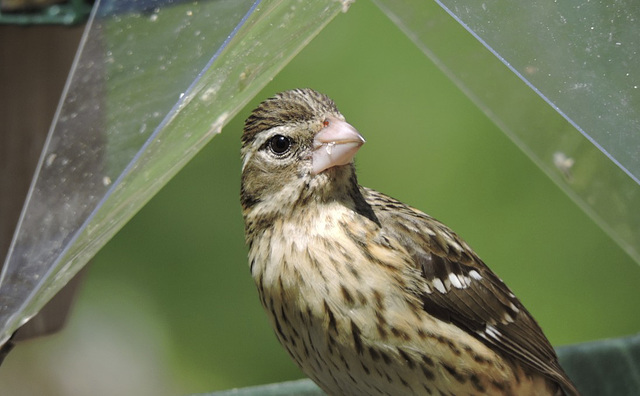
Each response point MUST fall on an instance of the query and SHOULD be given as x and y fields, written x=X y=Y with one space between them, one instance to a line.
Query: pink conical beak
x=336 y=144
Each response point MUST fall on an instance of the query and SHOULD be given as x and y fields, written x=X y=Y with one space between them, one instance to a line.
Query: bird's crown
x=296 y=105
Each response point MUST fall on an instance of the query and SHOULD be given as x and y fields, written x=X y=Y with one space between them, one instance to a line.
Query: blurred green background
x=168 y=306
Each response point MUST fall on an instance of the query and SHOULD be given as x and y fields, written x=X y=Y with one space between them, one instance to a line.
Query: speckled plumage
x=368 y=295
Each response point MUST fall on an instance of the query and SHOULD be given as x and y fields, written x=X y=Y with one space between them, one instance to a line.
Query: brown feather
x=366 y=293
x=482 y=302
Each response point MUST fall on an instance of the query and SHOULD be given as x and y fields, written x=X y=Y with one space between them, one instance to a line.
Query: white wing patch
x=461 y=281
x=492 y=332
x=507 y=318
x=475 y=275
x=455 y=281
x=438 y=285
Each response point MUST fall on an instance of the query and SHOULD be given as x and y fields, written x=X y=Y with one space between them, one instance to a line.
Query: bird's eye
x=279 y=144
x=325 y=123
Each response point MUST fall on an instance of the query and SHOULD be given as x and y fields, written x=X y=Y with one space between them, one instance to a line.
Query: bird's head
x=296 y=146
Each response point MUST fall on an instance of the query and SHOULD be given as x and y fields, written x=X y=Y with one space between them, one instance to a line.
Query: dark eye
x=279 y=144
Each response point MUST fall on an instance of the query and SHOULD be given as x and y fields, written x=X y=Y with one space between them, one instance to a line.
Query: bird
x=370 y=296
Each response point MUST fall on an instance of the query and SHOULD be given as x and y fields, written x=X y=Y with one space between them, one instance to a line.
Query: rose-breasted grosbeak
x=368 y=295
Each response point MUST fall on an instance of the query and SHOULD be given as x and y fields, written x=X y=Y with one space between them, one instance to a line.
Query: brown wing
x=462 y=290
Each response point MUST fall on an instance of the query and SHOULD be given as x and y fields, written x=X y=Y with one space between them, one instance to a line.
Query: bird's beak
x=336 y=144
